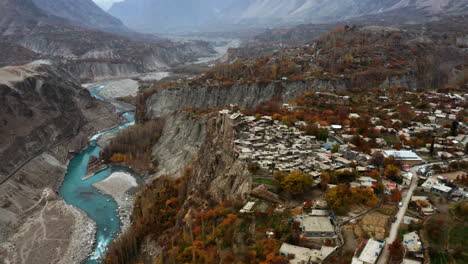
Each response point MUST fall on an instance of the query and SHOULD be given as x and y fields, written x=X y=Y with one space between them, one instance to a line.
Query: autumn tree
x=396 y=250
x=133 y=146
x=294 y=183
x=377 y=159
x=322 y=134
x=341 y=198
x=324 y=180
x=393 y=173
x=344 y=176
x=335 y=148
x=338 y=198
x=396 y=195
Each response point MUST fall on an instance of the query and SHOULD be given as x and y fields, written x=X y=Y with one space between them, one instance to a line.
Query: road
x=383 y=259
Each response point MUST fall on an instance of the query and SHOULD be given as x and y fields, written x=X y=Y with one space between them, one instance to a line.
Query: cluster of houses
x=277 y=147
x=441 y=185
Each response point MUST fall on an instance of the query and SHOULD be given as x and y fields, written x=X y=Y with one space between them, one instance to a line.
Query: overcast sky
x=106 y=4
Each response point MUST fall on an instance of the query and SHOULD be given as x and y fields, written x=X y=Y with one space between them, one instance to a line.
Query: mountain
x=81 y=12
x=29 y=33
x=167 y=16
x=15 y=14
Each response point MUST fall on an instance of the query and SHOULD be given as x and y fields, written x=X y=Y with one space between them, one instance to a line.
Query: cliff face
x=408 y=80
x=206 y=146
x=179 y=144
x=44 y=115
x=217 y=174
x=110 y=61
x=245 y=95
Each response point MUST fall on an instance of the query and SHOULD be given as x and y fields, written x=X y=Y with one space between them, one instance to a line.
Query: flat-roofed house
x=316 y=226
x=371 y=252
x=304 y=255
x=412 y=243
x=404 y=156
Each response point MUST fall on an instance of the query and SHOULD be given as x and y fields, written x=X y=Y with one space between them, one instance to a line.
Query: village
x=374 y=234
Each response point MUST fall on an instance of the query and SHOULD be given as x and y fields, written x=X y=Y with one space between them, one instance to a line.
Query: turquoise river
x=102 y=209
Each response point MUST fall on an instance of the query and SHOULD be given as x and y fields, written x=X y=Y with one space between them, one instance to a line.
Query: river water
x=102 y=209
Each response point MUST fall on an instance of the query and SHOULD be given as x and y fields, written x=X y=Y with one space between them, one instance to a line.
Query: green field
x=264 y=181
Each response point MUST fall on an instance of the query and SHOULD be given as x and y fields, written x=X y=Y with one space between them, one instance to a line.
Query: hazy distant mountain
x=81 y=12
x=167 y=15
x=189 y=15
x=267 y=11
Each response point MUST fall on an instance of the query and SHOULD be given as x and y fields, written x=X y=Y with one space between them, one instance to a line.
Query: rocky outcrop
x=245 y=95
x=44 y=116
x=407 y=80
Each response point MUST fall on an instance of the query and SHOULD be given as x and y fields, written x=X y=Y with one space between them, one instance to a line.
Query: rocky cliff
x=107 y=62
x=205 y=145
x=44 y=116
x=180 y=143
x=217 y=174
x=245 y=95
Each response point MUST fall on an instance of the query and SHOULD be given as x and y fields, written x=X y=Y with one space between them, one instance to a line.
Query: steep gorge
x=45 y=116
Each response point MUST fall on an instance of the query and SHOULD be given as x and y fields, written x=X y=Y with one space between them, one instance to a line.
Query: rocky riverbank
x=118 y=185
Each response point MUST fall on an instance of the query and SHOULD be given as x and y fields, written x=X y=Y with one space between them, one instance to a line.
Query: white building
x=371 y=252
x=405 y=156
x=247 y=207
x=412 y=243
x=433 y=185
x=304 y=255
